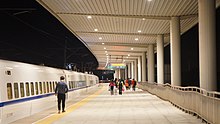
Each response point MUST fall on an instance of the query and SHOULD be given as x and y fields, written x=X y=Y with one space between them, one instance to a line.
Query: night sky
x=31 y=34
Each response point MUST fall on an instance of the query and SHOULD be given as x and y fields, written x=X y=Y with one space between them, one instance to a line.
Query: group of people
x=130 y=84
x=118 y=85
x=115 y=86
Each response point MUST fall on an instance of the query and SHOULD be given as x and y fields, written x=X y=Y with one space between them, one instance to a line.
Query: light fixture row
x=100 y=38
x=139 y=31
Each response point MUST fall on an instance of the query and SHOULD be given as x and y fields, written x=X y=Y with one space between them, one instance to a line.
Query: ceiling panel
x=120 y=22
x=117 y=38
x=125 y=7
x=80 y=23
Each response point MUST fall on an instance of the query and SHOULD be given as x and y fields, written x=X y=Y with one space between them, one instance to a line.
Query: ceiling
x=122 y=29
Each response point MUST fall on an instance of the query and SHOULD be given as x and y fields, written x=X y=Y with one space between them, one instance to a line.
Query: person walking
x=120 y=87
x=126 y=84
x=116 y=86
x=111 y=87
x=134 y=83
x=60 y=91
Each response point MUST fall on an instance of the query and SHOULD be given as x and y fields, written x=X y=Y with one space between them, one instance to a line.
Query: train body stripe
x=16 y=101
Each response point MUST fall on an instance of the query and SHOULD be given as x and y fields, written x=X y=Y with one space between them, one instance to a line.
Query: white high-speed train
x=26 y=89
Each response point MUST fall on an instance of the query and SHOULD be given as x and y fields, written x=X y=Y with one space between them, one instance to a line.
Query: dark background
x=190 y=56
x=30 y=34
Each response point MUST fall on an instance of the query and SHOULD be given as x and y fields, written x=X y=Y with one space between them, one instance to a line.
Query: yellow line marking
x=54 y=117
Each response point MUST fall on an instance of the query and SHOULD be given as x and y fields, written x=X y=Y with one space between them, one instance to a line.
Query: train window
x=69 y=84
x=84 y=78
x=16 y=92
x=32 y=88
x=50 y=87
x=9 y=90
x=27 y=89
x=36 y=88
x=55 y=84
x=22 y=89
x=74 y=84
x=80 y=78
x=47 y=87
x=41 y=88
x=44 y=87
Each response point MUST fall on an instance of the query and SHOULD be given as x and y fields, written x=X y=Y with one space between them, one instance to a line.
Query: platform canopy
x=118 y=31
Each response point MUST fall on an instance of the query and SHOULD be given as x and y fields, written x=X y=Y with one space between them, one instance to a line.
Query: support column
x=116 y=73
x=144 y=66
x=126 y=72
x=135 y=70
x=139 y=69
x=132 y=70
x=123 y=74
x=150 y=63
x=129 y=70
x=175 y=51
x=207 y=45
x=160 y=59
x=119 y=73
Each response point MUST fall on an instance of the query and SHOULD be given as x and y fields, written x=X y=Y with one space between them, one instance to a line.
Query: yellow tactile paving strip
x=54 y=117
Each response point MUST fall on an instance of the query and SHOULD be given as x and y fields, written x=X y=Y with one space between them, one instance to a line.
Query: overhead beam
x=118 y=33
x=111 y=51
x=121 y=54
x=141 y=17
x=119 y=44
x=118 y=56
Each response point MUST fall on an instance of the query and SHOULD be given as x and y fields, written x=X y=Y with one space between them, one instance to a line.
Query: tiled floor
x=137 y=107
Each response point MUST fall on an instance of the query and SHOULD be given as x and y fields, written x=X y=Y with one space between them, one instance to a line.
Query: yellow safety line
x=50 y=119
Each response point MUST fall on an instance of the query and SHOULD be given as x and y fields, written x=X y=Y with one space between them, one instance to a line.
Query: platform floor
x=99 y=107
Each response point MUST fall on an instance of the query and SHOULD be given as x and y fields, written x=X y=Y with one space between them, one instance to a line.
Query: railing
x=194 y=100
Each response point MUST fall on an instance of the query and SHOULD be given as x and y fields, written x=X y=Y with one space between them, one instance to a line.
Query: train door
x=67 y=83
x=65 y=79
x=0 y=109
x=87 y=80
x=0 y=114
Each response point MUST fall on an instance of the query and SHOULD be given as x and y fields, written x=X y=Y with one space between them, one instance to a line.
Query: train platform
x=99 y=107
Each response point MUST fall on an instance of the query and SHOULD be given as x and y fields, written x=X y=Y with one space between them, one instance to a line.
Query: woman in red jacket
x=111 y=86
